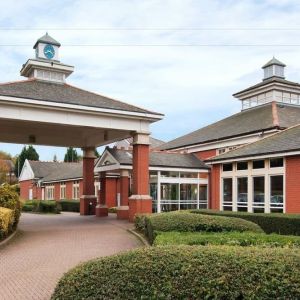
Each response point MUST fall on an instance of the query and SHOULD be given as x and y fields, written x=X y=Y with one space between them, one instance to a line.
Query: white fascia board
x=280 y=154
x=227 y=142
x=80 y=108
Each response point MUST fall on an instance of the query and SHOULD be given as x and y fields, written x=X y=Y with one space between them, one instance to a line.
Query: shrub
x=112 y=210
x=49 y=206
x=6 y=222
x=70 y=205
x=10 y=199
x=270 y=223
x=227 y=238
x=186 y=272
x=140 y=222
x=185 y=221
x=30 y=206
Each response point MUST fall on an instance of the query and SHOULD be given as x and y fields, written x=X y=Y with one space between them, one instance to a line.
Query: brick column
x=88 y=198
x=123 y=209
x=101 y=208
x=140 y=201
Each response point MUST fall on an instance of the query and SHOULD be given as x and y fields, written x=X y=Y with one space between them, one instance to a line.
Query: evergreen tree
x=96 y=153
x=26 y=153
x=71 y=155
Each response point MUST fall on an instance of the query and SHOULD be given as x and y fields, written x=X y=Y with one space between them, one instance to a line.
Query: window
x=276 y=162
x=62 y=190
x=227 y=193
x=169 y=194
x=202 y=196
x=276 y=196
x=242 y=194
x=188 y=175
x=258 y=164
x=76 y=189
x=50 y=192
x=227 y=167
x=242 y=165
x=258 y=194
x=169 y=174
x=188 y=196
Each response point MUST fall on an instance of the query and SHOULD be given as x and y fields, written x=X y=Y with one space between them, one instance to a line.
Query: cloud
x=192 y=86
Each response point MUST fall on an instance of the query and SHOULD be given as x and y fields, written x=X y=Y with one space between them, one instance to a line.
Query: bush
x=10 y=199
x=227 y=238
x=70 y=205
x=185 y=221
x=112 y=210
x=186 y=272
x=30 y=206
x=270 y=223
x=49 y=206
x=6 y=222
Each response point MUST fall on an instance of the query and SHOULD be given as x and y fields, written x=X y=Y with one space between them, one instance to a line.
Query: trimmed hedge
x=70 y=205
x=226 y=238
x=42 y=206
x=6 y=222
x=10 y=199
x=186 y=272
x=271 y=223
x=185 y=221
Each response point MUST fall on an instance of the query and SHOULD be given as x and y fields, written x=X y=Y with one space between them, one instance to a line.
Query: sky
x=183 y=58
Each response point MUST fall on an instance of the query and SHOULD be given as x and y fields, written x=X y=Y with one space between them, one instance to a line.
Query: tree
x=5 y=155
x=71 y=155
x=96 y=153
x=26 y=153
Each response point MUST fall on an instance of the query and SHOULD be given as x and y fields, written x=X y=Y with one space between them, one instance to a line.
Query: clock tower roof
x=47 y=39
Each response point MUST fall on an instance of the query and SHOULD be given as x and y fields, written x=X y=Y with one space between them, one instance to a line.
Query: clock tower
x=46 y=66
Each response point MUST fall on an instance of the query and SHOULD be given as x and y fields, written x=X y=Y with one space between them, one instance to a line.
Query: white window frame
x=49 y=192
x=75 y=190
x=62 y=191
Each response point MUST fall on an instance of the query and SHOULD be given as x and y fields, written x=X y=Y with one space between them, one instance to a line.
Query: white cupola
x=273 y=68
x=46 y=65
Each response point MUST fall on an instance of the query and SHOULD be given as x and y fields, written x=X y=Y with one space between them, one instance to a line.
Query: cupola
x=46 y=65
x=273 y=68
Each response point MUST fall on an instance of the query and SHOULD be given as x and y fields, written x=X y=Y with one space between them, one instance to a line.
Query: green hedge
x=186 y=272
x=6 y=222
x=185 y=221
x=270 y=223
x=10 y=199
x=42 y=206
x=70 y=205
x=227 y=238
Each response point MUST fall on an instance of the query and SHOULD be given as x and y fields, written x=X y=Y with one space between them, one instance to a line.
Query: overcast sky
x=178 y=57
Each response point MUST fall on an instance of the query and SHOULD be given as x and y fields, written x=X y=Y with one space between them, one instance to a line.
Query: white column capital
x=141 y=138
x=124 y=173
x=88 y=152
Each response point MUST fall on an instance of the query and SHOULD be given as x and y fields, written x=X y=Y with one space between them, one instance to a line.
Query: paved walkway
x=49 y=245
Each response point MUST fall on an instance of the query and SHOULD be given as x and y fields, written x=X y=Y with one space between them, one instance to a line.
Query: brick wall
x=214 y=185
x=24 y=188
x=206 y=154
x=293 y=184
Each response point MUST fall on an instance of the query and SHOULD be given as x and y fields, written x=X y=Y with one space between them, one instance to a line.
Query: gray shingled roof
x=48 y=40
x=64 y=93
x=55 y=171
x=161 y=159
x=285 y=141
x=273 y=61
x=248 y=121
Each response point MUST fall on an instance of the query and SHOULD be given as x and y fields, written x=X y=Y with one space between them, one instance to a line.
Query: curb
x=140 y=237
x=9 y=238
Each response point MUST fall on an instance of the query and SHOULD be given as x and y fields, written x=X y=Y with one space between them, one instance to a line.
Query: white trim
x=26 y=172
x=51 y=104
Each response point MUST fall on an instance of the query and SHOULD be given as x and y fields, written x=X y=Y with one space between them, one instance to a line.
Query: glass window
x=227 y=167
x=276 y=162
x=203 y=196
x=188 y=196
x=258 y=194
x=169 y=174
x=242 y=193
x=153 y=191
x=169 y=193
x=188 y=175
x=276 y=197
x=227 y=193
x=258 y=164
x=242 y=165
x=62 y=191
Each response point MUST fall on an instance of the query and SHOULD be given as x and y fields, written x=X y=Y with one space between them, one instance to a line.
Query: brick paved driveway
x=49 y=245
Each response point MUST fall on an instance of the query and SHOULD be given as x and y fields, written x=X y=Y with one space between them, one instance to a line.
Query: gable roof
x=273 y=61
x=154 y=143
x=64 y=93
x=55 y=171
x=281 y=142
x=161 y=159
x=260 y=118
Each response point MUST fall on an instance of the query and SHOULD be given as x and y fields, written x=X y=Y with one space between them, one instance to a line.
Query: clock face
x=49 y=51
